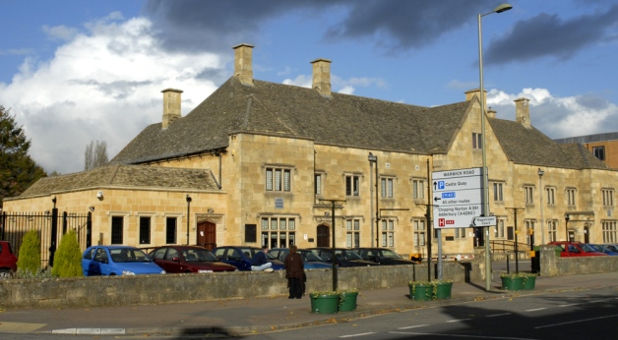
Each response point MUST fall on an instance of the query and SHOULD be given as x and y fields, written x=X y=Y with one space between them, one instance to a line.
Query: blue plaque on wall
x=278 y=203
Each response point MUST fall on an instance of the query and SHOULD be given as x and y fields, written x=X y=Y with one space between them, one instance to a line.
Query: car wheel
x=5 y=274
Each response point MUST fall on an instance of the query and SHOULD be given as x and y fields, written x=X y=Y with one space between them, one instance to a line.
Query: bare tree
x=95 y=155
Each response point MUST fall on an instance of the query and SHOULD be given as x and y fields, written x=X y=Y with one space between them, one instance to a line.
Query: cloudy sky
x=76 y=70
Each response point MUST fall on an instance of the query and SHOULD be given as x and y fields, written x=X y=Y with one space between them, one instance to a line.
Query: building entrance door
x=207 y=235
x=586 y=235
x=323 y=236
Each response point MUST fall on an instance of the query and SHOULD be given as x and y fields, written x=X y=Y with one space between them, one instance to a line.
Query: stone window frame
x=386 y=191
x=288 y=232
x=271 y=184
x=529 y=194
x=352 y=175
x=352 y=230
x=550 y=195
x=418 y=191
x=607 y=197
x=571 y=197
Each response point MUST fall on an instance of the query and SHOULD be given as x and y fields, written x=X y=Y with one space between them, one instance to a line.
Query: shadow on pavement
x=206 y=333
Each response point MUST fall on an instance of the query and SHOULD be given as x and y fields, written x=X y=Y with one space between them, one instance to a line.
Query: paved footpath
x=258 y=315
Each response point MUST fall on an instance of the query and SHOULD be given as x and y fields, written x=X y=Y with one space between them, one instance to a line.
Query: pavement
x=238 y=317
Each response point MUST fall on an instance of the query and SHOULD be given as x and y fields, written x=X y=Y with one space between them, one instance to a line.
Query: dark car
x=383 y=256
x=117 y=260
x=604 y=248
x=242 y=256
x=8 y=260
x=343 y=257
x=572 y=249
x=310 y=260
x=188 y=259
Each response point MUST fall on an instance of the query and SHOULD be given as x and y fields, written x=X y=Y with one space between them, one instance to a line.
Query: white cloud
x=60 y=32
x=103 y=84
x=559 y=116
x=300 y=80
x=340 y=85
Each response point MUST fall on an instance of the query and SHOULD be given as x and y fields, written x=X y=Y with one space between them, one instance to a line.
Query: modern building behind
x=260 y=163
x=603 y=146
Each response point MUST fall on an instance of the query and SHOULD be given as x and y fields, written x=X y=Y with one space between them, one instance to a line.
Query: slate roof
x=126 y=176
x=530 y=146
x=341 y=120
x=276 y=109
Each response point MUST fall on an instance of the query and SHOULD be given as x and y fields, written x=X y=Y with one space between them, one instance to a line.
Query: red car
x=571 y=249
x=8 y=260
x=188 y=259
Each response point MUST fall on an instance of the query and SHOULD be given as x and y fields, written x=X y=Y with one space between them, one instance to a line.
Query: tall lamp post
x=566 y=226
x=374 y=159
x=541 y=172
x=485 y=212
x=188 y=214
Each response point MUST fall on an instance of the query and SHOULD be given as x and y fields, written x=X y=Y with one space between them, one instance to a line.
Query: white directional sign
x=484 y=221
x=457 y=197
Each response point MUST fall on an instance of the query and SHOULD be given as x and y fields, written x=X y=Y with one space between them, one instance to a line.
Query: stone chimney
x=491 y=113
x=171 y=106
x=477 y=93
x=522 y=111
x=243 y=70
x=321 y=76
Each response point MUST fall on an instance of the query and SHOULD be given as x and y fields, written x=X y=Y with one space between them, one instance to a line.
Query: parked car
x=383 y=256
x=603 y=248
x=343 y=257
x=572 y=249
x=242 y=256
x=310 y=260
x=188 y=259
x=117 y=260
x=8 y=260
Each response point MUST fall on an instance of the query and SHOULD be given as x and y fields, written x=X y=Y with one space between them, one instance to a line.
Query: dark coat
x=294 y=267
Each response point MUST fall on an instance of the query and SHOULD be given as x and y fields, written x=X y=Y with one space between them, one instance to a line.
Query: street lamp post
x=501 y=8
x=374 y=159
x=566 y=226
x=188 y=214
x=541 y=173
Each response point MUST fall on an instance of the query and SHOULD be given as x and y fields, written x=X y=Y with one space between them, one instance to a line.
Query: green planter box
x=512 y=282
x=443 y=290
x=324 y=303
x=420 y=291
x=347 y=301
x=529 y=282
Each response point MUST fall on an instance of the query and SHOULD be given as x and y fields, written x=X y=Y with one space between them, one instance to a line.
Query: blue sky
x=76 y=70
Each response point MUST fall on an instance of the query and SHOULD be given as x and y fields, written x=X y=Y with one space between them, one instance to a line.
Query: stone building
x=266 y=163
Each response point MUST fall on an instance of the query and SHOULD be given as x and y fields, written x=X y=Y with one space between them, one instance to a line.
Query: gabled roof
x=530 y=146
x=340 y=120
x=125 y=176
x=276 y=109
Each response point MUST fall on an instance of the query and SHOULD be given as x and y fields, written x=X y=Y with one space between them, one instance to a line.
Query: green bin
x=347 y=301
x=512 y=282
x=420 y=291
x=443 y=290
x=529 y=282
x=324 y=304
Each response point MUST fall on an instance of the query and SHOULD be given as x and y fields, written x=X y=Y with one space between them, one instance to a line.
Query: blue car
x=117 y=260
x=310 y=260
x=604 y=248
x=242 y=256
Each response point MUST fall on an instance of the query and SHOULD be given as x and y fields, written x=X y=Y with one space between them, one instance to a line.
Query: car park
x=242 y=257
x=574 y=249
x=117 y=260
x=343 y=257
x=383 y=256
x=310 y=260
x=188 y=259
x=8 y=260
x=603 y=248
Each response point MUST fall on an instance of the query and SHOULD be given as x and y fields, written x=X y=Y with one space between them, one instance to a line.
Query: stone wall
x=552 y=264
x=173 y=288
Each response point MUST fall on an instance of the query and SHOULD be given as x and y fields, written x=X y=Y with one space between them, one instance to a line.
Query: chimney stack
x=171 y=106
x=321 y=76
x=491 y=113
x=477 y=93
x=522 y=111
x=243 y=70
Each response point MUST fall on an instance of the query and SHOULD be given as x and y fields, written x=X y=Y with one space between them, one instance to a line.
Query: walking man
x=295 y=273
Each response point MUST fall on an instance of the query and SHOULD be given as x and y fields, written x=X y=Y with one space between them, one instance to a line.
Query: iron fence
x=15 y=225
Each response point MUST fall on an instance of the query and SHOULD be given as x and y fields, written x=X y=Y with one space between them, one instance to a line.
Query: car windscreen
x=387 y=253
x=310 y=257
x=348 y=255
x=588 y=247
x=128 y=255
x=198 y=255
x=249 y=252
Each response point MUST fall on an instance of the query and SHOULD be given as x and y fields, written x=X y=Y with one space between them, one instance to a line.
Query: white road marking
x=535 y=309
x=576 y=321
x=443 y=335
x=90 y=331
x=569 y=305
x=497 y=315
x=356 y=335
x=457 y=320
x=415 y=326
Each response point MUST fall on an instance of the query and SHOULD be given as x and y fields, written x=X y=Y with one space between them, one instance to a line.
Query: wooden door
x=323 y=236
x=207 y=235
